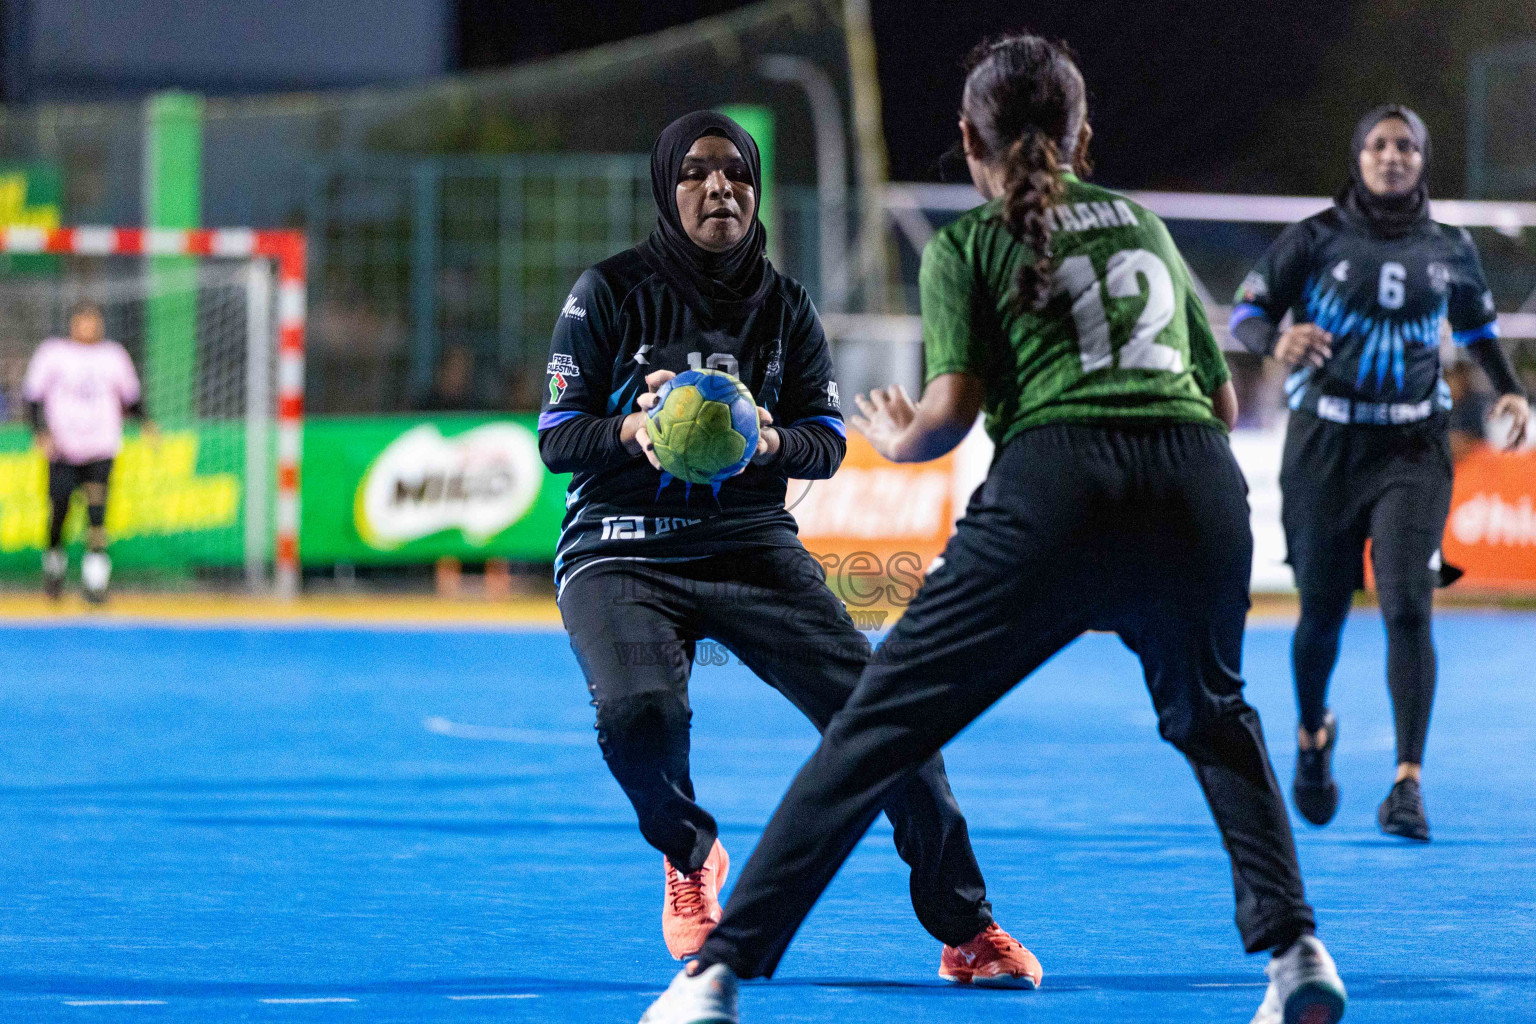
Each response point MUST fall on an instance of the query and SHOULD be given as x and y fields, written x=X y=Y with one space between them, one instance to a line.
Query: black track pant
x=64 y=478
x=1343 y=484
x=1142 y=531
x=634 y=627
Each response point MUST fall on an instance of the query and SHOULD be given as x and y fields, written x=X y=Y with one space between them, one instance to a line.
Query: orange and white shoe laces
x=691 y=903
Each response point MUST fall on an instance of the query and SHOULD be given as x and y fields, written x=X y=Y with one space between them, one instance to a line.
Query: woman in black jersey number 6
x=1066 y=314
x=1369 y=282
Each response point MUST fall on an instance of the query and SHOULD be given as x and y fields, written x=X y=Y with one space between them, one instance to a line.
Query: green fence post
x=173 y=178
x=426 y=187
x=509 y=264
x=758 y=121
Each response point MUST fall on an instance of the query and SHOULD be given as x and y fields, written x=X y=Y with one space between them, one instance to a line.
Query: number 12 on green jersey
x=1123 y=276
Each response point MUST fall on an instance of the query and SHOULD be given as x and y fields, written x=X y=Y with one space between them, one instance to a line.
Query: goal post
x=237 y=460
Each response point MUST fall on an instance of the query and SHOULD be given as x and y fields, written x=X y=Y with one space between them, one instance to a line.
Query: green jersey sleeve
x=949 y=292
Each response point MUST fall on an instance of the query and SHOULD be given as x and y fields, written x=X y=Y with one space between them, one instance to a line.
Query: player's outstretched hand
x=1518 y=411
x=633 y=432
x=883 y=416
x=768 y=439
x=1304 y=345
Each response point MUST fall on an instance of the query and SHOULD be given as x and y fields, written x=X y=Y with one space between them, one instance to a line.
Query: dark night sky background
x=1185 y=95
x=1246 y=96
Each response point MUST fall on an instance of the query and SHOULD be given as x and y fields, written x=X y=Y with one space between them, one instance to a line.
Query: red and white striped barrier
x=286 y=250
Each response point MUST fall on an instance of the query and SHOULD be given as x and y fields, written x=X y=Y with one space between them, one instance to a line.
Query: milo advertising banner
x=376 y=490
x=413 y=488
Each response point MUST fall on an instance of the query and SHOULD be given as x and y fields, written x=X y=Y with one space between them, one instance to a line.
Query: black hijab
x=1386 y=216
x=721 y=287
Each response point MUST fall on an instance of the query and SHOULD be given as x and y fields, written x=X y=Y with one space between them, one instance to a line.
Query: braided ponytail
x=1032 y=185
x=1027 y=105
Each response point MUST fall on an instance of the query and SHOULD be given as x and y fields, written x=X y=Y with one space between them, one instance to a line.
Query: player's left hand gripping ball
x=703 y=426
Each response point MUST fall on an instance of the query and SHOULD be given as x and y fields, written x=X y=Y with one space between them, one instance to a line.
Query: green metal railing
x=1501 y=128
x=472 y=251
x=411 y=256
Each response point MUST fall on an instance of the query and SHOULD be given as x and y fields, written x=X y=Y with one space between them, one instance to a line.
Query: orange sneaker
x=993 y=958
x=691 y=907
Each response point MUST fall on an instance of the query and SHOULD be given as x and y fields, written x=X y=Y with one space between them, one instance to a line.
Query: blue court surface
x=317 y=824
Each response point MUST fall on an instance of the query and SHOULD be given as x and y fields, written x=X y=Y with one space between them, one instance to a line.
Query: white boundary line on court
x=305 y=1000
x=506 y=734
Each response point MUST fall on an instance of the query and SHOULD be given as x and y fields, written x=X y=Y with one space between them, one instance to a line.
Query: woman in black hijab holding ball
x=1369 y=283
x=646 y=568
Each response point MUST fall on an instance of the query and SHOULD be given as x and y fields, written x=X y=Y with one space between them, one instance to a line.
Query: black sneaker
x=1402 y=812
x=1315 y=792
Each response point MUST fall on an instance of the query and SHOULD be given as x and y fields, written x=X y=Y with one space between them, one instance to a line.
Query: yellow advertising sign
x=155 y=490
x=29 y=197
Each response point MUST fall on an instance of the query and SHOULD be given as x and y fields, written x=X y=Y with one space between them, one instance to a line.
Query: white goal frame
x=266 y=251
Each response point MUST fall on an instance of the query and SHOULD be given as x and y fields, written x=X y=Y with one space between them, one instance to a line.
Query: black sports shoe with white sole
x=1315 y=792
x=1402 y=812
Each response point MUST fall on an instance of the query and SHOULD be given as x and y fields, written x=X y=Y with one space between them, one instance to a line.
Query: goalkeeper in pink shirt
x=78 y=390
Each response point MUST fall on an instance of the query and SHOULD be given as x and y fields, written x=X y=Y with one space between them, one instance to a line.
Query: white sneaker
x=707 y=998
x=96 y=573
x=1304 y=987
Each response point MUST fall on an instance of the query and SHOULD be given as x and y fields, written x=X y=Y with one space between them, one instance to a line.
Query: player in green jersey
x=1065 y=313
x=1134 y=343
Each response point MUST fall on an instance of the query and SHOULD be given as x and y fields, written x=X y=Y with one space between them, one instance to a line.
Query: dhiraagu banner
x=398 y=489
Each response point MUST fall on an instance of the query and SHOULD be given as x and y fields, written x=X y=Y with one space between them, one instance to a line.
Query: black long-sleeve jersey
x=621 y=322
x=1384 y=301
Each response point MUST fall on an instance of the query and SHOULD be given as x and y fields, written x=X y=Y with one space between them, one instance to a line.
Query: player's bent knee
x=1214 y=732
x=1406 y=620
x=634 y=723
x=1405 y=608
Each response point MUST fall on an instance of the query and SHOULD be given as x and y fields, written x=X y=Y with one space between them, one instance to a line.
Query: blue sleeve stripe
x=624 y=394
x=826 y=421
x=1244 y=311
x=552 y=417
x=1487 y=330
